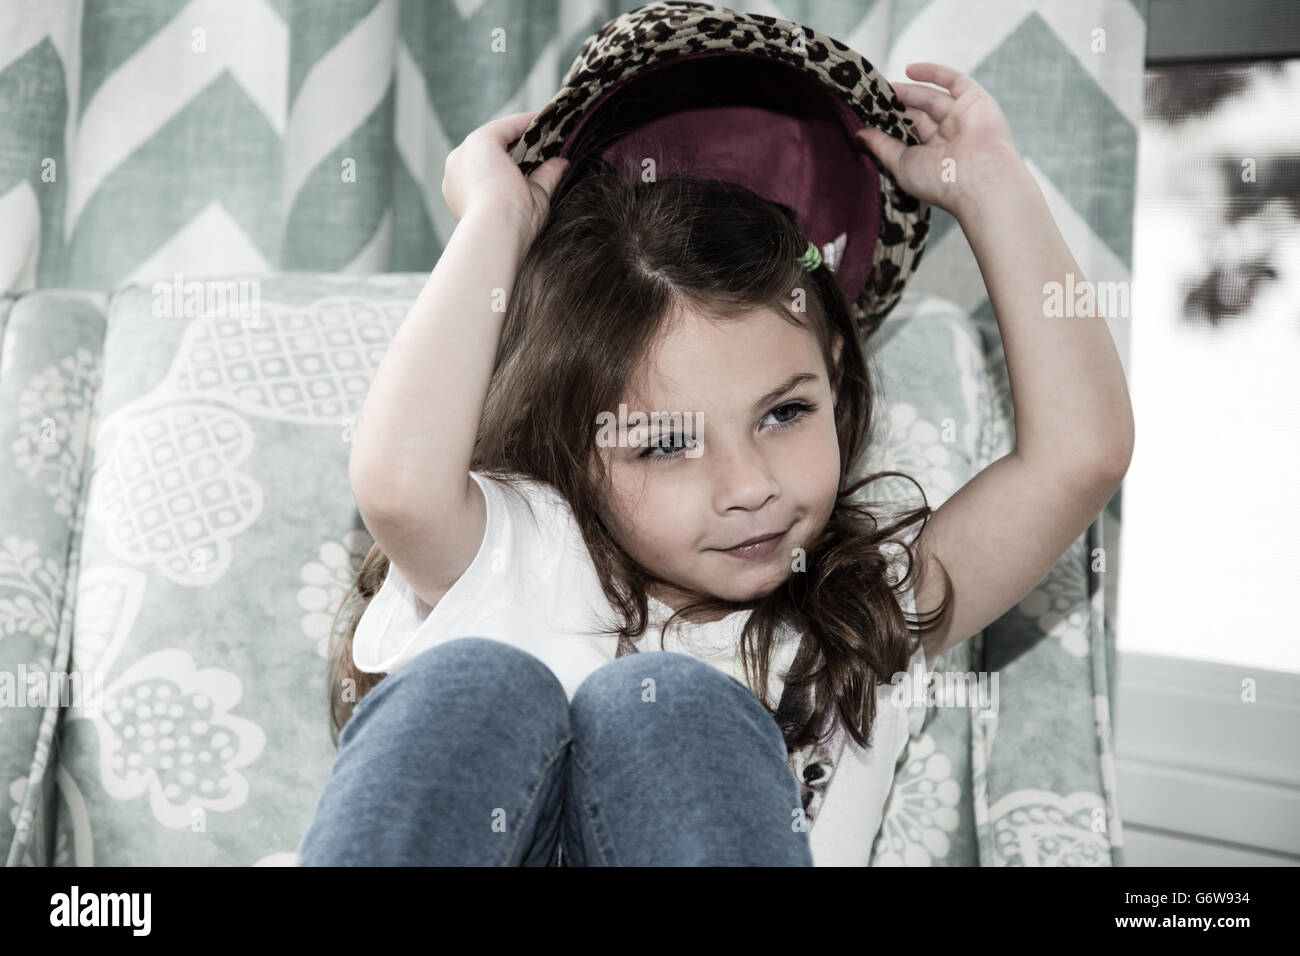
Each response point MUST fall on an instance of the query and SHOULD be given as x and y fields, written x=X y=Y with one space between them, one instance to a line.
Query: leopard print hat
x=755 y=100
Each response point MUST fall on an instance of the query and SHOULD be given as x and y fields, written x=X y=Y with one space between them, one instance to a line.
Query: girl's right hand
x=480 y=172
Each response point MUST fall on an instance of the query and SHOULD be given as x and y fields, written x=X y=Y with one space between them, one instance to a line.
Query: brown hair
x=615 y=260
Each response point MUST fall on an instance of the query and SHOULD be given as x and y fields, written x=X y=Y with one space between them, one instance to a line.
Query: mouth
x=758 y=547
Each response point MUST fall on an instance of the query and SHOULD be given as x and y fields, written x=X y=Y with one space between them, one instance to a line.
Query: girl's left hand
x=966 y=142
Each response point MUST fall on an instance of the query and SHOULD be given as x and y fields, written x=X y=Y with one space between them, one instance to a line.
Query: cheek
x=818 y=450
x=818 y=473
x=635 y=514
x=651 y=517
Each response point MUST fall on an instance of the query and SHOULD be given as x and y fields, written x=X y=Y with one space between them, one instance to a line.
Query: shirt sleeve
x=397 y=624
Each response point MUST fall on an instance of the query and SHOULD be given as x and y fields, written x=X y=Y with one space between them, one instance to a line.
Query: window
x=1211 y=532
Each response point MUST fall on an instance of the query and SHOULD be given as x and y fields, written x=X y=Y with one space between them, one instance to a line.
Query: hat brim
x=755 y=100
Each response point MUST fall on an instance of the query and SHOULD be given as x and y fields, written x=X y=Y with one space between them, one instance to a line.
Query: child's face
x=675 y=513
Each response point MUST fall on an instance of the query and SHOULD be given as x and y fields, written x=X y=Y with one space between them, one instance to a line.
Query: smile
x=757 y=548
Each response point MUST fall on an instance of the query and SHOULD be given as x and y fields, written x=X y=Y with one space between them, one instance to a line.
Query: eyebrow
x=789 y=385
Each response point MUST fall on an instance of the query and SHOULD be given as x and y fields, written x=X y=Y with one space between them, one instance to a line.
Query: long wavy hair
x=614 y=262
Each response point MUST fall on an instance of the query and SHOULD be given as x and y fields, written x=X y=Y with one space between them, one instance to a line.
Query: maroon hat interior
x=758 y=122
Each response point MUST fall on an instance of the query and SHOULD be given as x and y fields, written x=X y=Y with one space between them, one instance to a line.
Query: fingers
x=548 y=174
x=884 y=147
x=927 y=108
x=507 y=129
x=937 y=103
x=925 y=126
x=514 y=120
x=952 y=79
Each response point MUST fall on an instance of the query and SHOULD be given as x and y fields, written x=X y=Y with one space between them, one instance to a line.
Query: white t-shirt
x=533 y=585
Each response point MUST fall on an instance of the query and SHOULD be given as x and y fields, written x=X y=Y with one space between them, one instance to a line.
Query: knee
x=652 y=677
x=665 y=692
x=467 y=681
x=474 y=664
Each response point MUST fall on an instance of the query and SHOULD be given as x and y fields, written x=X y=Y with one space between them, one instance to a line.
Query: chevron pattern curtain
x=144 y=138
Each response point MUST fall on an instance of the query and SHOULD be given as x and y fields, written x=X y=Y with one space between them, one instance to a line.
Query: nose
x=743 y=476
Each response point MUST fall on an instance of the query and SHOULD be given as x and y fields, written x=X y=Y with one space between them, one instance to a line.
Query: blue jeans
x=472 y=754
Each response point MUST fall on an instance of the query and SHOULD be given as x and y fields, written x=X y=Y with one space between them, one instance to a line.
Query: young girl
x=527 y=552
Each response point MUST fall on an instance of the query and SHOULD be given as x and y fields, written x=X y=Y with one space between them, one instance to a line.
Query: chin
x=772 y=580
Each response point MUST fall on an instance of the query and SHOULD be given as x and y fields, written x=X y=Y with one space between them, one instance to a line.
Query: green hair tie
x=811 y=259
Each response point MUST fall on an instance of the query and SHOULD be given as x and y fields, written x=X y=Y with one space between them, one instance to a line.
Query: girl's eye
x=798 y=411
x=673 y=441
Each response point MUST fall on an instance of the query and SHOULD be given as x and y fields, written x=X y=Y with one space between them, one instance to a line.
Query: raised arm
x=411 y=449
x=412 y=444
x=1002 y=532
